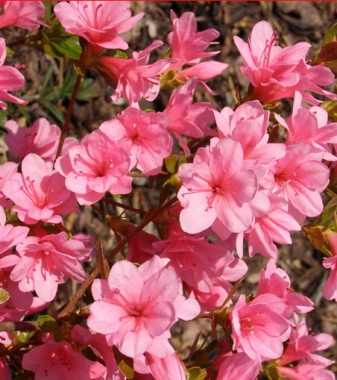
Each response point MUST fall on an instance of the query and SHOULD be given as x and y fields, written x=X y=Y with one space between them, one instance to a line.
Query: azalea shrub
x=233 y=183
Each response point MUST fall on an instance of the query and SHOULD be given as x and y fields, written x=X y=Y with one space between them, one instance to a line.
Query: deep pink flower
x=330 y=288
x=300 y=178
x=10 y=236
x=5 y=373
x=277 y=73
x=138 y=306
x=216 y=190
x=95 y=166
x=39 y=192
x=271 y=227
x=275 y=281
x=145 y=136
x=99 y=22
x=46 y=261
x=6 y=171
x=40 y=137
x=188 y=118
x=133 y=78
x=248 y=124
x=57 y=360
x=228 y=269
x=187 y=257
x=239 y=366
x=19 y=303
x=10 y=79
x=303 y=344
x=168 y=368
x=258 y=329
x=23 y=14
x=310 y=125
x=299 y=360
x=188 y=48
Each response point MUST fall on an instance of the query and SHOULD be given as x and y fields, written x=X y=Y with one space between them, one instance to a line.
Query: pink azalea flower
x=57 y=360
x=10 y=79
x=46 y=261
x=330 y=288
x=187 y=118
x=19 y=303
x=299 y=360
x=10 y=236
x=258 y=328
x=39 y=192
x=300 y=178
x=239 y=366
x=277 y=73
x=6 y=171
x=133 y=78
x=229 y=269
x=271 y=227
x=99 y=22
x=216 y=189
x=310 y=125
x=5 y=373
x=40 y=137
x=307 y=371
x=248 y=124
x=169 y=368
x=188 y=48
x=23 y=14
x=138 y=306
x=302 y=345
x=187 y=257
x=145 y=137
x=96 y=166
x=275 y=281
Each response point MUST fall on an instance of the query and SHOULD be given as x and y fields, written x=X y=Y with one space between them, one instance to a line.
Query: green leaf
x=170 y=163
x=125 y=364
x=328 y=211
x=330 y=35
x=120 y=54
x=197 y=373
x=25 y=336
x=47 y=323
x=9 y=52
x=56 y=42
x=4 y=296
x=54 y=110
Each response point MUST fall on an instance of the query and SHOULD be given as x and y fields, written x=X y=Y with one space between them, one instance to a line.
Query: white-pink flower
x=138 y=306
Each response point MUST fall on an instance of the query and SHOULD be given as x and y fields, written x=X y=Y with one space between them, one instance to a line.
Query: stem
x=87 y=282
x=70 y=108
x=126 y=207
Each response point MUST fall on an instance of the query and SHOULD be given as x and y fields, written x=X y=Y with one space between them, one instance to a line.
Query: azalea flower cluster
x=240 y=189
